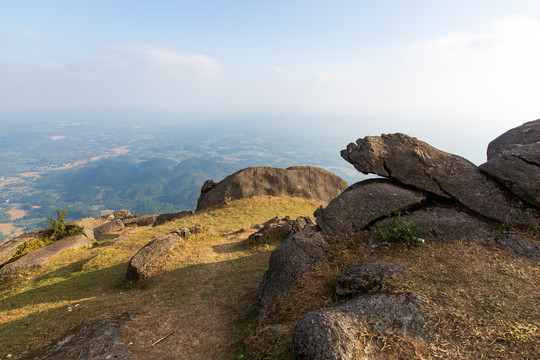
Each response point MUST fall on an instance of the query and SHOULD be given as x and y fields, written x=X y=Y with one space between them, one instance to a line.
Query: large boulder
x=518 y=168
x=418 y=164
x=40 y=256
x=108 y=227
x=440 y=223
x=289 y=263
x=333 y=333
x=99 y=339
x=300 y=181
x=527 y=133
x=365 y=202
x=146 y=258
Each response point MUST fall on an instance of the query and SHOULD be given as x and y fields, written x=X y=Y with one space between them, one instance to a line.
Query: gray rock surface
x=518 y=168
x=93 y=340
x=333 y=333
x=362 y=278
x=291 y=261
x=416 y=163
x=148 y=256
x=87 y=223
x=163 y=218
x=300 y=181
x=524 y=134
x=108 y=227
x=365 y=202
x=441 y=224
x=140 y=220
x=40 y=256
x=286 y=227
x=519 y=245
x=9 y=247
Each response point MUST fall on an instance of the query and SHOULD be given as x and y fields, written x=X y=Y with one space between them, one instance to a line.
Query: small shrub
x=399 y=231
x=58 y=226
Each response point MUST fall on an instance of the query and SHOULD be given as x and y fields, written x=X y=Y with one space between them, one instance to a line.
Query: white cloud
x=162 y=55
x=52 y=65
x=279 y=70
x=31 y=34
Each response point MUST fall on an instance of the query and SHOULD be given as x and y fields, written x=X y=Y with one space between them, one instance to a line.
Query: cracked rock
x=415 y=163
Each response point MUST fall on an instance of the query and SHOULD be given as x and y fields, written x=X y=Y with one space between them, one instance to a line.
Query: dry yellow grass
x=481 y=300
x=206 y=290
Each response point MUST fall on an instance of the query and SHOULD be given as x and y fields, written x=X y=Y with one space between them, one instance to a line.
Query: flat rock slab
x=415 y=163
x=9 y=248
x=362 y=278
x=519 y=245
x=300 y=181
x=441 y=224
x=527 y=133
x=93 y=340
x=518 y=169
x=140 y=220
x=289 y=262
x=40 y=256
x=365 y=202
x=333 y=333
x=163 y=218
x=147 y=257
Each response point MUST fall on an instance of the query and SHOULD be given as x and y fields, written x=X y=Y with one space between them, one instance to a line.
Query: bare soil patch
x=16 y=212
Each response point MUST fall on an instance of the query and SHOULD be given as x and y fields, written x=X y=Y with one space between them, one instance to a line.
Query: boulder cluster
x=444 y=195
x=113 y=225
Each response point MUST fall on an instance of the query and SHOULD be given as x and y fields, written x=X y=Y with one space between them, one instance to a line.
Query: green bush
x=400 y=231
x=58 y=226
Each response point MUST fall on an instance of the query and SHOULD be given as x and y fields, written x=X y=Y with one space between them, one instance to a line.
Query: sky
x=454 y=64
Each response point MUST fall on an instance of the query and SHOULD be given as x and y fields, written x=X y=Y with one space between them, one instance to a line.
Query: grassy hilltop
x=481 y=300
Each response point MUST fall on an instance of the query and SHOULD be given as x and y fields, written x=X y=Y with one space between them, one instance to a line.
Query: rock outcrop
x=9 y=248
x=363 y=278
x=527 y=133
x=100 y=339
x=163 y=218
x=365 y=202
x=418 y=164
x=40 y=256
x=300 y=181
x=147 y=257
x=514 y=160
x=291 y=261
x=333 y=333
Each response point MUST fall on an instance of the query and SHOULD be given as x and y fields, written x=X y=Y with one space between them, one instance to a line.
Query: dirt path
x=209 y=304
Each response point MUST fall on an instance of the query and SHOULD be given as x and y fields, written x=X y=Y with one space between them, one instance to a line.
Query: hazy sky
x=462 y=60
